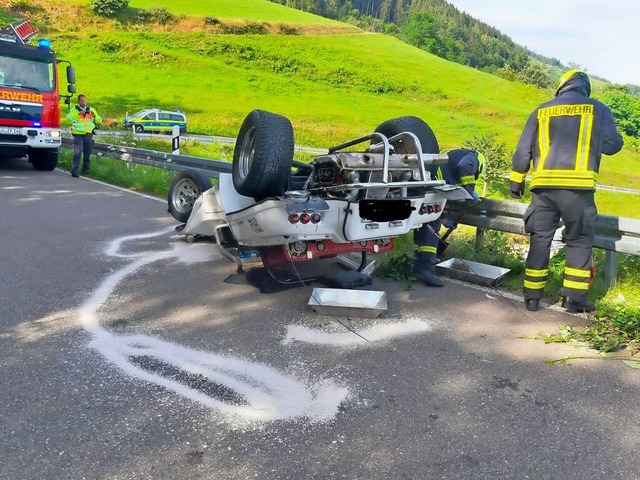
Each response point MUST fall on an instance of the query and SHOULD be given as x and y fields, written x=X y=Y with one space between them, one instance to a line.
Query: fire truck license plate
x=10 y=131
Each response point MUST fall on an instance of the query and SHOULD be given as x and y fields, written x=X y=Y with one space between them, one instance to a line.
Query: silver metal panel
x=473 y=272
x=348 y=303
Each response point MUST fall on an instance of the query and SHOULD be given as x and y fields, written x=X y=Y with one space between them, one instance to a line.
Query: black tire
x=184 y=190
x=415 y=125
x=45 y=159
x=139 y=128
x=263 y=155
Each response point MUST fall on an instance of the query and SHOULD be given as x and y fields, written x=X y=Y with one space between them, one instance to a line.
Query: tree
x=625 y=109
x=420 y=31
x=534 y=74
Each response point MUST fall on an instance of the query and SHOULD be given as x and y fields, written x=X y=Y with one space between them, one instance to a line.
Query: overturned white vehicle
x=348 y=200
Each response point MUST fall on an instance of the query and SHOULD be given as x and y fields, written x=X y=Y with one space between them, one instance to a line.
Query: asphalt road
x=126 y=355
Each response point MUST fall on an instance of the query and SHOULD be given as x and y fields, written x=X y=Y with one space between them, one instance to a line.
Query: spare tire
x=415 y=125
x=263 y=155
x=184 y=189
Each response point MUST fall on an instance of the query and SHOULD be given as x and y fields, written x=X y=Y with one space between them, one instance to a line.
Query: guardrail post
x=127 y=158
x=175 y=147
x=175 y=139
x=610 y=267
x=479 y=238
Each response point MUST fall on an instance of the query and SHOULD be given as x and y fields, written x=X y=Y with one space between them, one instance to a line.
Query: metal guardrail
x=613 y=234
x=197 y=138
x=169 y=161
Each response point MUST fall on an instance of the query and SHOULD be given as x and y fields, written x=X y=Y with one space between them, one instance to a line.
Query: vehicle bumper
x=268 y=222
x=31 y=137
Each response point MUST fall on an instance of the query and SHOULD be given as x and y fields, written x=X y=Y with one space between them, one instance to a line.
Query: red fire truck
x=29 y=97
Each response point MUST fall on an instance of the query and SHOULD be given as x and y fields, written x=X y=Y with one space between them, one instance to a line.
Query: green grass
x=329 y=86
x=256 y=10
x=619 y=204
x=5 y=18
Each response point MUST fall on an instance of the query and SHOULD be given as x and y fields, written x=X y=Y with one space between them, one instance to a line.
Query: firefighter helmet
x=574 y=75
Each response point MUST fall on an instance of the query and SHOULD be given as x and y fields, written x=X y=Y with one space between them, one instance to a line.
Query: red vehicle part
x=30 y=116
x=280 y=255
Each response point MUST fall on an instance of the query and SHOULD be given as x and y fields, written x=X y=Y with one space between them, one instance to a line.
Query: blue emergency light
x=44 y=43
x=36 y=124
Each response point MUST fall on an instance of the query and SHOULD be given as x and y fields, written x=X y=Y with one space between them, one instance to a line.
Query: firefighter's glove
x=474 y=200
x=517 y=189
x=449 y=224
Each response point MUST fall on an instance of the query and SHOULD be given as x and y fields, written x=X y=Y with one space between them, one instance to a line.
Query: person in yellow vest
x=84 y=120
x=562 y=143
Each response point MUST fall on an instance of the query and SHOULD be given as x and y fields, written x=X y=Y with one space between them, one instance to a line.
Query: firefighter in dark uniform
x=463 y=169
x=562 y=143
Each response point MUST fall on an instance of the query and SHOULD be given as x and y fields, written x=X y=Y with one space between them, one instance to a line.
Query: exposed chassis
x=344 y=201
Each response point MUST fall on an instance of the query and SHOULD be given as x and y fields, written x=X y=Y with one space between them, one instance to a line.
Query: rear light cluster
x=428 y=208
x=304 y=218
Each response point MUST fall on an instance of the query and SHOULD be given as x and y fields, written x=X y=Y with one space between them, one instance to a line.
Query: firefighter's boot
x=577 y=306
x=424 y=269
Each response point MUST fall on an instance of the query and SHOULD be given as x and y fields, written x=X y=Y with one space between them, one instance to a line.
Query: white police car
x=155 y=120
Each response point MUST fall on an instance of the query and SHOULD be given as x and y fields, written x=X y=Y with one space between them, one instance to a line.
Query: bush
x=287 y=30
x=155 y=14
x=497 y=163
x=109 y=46
x=249 y=28
x=161 y=15
x=108 y=8
x=141 y=16
x=625 y=109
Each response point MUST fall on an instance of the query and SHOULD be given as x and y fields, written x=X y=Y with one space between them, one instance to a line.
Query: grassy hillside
x=258 y=10
x=332 y=86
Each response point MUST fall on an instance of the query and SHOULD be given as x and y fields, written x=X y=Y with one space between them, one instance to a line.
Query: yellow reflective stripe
x=564 y=178
x=530 y=272
x=534 y=285
x=575 y=285
x=467 y=180
x=582 y=152
x=517 y=176
x=577 y=272
x=543 y=140
x=439 y=174
x=426 y=249
x=590 y=184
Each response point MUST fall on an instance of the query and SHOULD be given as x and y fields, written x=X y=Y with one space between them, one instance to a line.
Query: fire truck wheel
x=184 y=190
x=415 y=125
x=43 y=158
x=263 y=155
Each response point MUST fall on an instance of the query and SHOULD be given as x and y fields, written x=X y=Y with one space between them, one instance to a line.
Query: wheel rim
x=184 y=195
x=247 y=152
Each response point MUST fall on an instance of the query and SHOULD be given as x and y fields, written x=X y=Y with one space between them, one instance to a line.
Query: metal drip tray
x=470 y=271
x=348 y=303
